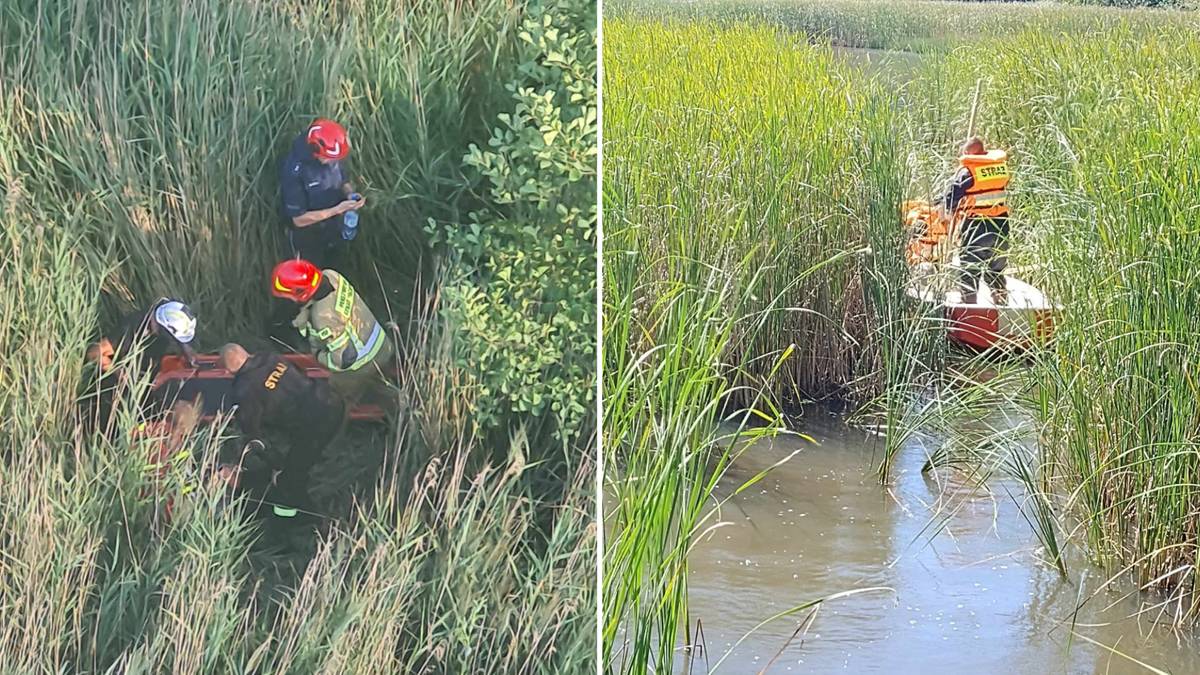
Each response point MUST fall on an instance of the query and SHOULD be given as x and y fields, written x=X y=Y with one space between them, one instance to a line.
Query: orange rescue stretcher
x=211 y=386
x=177 y=381
x=1026 y=320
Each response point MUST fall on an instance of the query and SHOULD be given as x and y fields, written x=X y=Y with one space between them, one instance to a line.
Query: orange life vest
x=931 y=227
x=987 y=196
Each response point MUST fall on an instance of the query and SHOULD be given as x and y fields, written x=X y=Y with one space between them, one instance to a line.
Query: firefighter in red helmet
x=316 y=195
x=342 y=333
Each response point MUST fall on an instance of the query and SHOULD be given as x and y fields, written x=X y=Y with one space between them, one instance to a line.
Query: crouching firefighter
x=341 y=331
x=978 y=199
x=280 y=405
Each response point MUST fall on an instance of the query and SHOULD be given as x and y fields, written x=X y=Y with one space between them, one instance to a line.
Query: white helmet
x=177 y=319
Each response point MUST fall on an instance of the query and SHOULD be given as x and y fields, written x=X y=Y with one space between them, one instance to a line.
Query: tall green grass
x=751 y=237
x=165 y=123
x=1094 y=106
x=713 y=162
x=1101 y=127
x=138 y=151
x=923 y=26
x=707 y=238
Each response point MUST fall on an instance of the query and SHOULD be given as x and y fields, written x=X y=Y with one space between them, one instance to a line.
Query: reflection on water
x=971 y=594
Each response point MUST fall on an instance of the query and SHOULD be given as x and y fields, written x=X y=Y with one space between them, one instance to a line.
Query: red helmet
x=328 y=139
x=295 y=280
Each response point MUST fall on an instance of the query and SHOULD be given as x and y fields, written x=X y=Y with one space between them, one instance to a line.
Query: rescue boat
x=176 y=380
x=1024 y=322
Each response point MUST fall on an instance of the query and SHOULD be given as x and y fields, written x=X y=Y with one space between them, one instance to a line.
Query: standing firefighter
x=978 y=200
x=318 y=201
x=281 y=406
x=342 y=332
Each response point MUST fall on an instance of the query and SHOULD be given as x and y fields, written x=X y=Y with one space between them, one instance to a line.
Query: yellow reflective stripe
x=339 y=342
x=344 y=303
x=991 y=198
x=326 y=359
x=368 y=351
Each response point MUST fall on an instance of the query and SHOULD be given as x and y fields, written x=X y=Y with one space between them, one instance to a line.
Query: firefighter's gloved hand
x=349 y=356
x=189 y=355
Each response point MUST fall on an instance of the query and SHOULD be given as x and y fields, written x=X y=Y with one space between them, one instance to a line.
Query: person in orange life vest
x=978 y=201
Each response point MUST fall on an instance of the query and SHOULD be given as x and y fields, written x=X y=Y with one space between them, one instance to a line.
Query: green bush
x=520 y=269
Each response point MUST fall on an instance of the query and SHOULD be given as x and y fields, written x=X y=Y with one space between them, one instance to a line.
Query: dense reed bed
x=790 y=173
x=751 y=238
x=1093 y=105
x=1100 y=123
x=925 y=26
x=140 y=145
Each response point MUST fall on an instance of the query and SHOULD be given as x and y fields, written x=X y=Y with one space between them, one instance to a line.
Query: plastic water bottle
x=349 y=225
x=350 y=221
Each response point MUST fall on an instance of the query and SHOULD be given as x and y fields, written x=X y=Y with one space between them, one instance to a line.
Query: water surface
x=972 y=593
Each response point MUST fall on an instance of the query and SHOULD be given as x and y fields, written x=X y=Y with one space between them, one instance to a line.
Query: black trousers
x=280 y=470
x=320 y=243
x=984 y=254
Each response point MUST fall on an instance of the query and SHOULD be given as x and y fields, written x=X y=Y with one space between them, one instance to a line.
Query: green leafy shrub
x=522 y=272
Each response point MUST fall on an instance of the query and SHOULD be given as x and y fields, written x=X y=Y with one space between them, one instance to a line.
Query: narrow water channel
x=971 y=594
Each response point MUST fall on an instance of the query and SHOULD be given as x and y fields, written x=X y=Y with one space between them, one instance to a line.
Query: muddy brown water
x=971 y=592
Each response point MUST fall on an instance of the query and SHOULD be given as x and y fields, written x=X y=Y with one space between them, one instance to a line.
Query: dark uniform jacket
x=275 y=398
x=958 y=189
x=963 y=180
x=306 y=184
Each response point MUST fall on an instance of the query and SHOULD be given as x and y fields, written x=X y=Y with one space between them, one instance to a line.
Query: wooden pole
x=952 y=235
x=974 y=108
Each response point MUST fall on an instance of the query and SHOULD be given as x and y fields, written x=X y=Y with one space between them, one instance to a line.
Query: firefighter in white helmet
x=168 y=326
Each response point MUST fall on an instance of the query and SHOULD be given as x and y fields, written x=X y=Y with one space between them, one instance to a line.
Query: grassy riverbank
x=140 y=149
x=752 y=245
